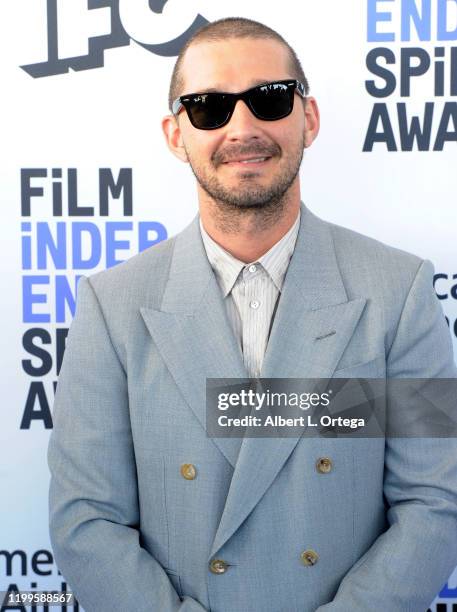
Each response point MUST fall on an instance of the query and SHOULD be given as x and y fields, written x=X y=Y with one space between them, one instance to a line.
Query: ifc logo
x=159 y=26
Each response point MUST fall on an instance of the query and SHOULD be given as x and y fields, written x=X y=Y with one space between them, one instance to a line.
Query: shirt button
x=309 y=557
x=218 y=566
x=252 y=268
x=324 y=465
x=254 y=304
x=188 y=471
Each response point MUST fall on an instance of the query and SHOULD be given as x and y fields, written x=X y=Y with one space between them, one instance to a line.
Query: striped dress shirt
x=251 y=292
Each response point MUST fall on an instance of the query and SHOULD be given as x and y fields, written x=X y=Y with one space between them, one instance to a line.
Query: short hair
x=232 y=27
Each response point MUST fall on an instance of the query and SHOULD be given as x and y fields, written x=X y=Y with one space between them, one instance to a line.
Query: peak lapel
x=313 y=325
x=192 y=331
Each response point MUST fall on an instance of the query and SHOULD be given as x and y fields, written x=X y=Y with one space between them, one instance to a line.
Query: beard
x=248 y=195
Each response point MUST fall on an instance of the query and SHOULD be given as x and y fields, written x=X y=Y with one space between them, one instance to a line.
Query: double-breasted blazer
x=150 y=514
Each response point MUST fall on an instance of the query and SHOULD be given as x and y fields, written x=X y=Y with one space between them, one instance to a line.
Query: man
x=148 y=513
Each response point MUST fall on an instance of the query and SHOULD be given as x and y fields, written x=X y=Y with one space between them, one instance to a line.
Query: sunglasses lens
x=209 y=111
x=271 y=102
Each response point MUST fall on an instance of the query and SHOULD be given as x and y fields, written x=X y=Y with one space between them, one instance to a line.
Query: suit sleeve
x=93 y=498
x=408 y=564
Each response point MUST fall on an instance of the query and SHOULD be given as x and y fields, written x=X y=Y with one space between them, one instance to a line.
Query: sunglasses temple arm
x=176 y=106
x=301 y=89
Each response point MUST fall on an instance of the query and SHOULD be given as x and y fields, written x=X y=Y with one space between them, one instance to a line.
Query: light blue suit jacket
x=130 y=533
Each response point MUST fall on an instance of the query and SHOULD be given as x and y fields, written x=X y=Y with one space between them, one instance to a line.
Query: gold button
x=218 y=566
x=309 y=557
x=188 y=471
x=324 y=465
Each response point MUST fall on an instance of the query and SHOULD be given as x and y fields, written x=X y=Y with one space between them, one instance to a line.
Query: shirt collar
x=275 y=261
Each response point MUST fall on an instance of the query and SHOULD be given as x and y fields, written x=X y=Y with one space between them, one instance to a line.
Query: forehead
x=234 y=64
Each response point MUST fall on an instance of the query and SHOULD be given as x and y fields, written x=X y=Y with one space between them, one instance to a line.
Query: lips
x=248 y=154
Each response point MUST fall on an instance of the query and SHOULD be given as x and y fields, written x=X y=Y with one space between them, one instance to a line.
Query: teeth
x=253 y=161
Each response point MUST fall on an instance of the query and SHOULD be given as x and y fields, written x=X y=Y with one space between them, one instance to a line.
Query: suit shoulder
x=369 y=256
x=129 y=279
x=374 y=269
x=349 y=240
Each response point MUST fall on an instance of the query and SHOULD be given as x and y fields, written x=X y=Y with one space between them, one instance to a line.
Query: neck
x=249 y=234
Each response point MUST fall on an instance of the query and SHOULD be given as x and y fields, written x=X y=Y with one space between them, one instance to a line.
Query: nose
x=242 y=125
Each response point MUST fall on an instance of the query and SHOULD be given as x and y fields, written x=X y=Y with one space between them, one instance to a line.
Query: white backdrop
x=108 y=117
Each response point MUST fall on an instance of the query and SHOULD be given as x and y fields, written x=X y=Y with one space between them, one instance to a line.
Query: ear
x=312 y=121
x=173 y=137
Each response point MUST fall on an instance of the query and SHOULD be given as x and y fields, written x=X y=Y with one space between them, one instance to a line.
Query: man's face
x=215 y=156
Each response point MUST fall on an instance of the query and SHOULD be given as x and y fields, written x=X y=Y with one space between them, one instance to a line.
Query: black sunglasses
x=269 y=102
